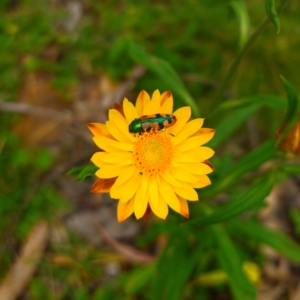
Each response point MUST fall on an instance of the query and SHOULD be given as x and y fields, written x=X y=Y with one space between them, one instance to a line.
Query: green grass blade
x=139 y=278
x=272 y=101
x=292 y=99
x=229 y=124
x=290 y=169
x=251 y=198
x=242 y=110
x=295 y=218
x=275 y=239
x=272 y=14
x=293 y=112
x=231 y=263
x=249 y=162
x=243 y=19
x=173 y=268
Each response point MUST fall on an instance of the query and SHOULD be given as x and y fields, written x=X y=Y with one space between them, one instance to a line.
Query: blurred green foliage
x=187 y=48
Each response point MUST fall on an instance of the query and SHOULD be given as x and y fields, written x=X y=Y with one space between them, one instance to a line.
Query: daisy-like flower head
x=152 y=170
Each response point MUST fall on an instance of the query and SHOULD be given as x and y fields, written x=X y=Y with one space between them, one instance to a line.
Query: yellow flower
x=155 y=170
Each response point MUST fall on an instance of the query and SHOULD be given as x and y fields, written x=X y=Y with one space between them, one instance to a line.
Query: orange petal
x=186 y=192
x=182 y=175
x=167 y=176
x=195 y=155
x=103 y=185
x=118 y=134
x=118 y=120
x=196 y=168
x=153 y=191
x=111 y=145
x=184 y=208
x=130 y=188
x=182 y=114
x=166 y=103
x=129 y=111
x=168 y=195
x=99 y=129
x=111 y=171
x=162 y=210
x=103 y=159
x=116 y=190
x=147 y=214
x=205 y=131
x=140 y=203
x=119 y=108
x=188 y=130
x=207 y=162
x=125 y=210
x=152 y=107
x=164 y=96
x=203 y=181
x=141 y=101
x=195 y=141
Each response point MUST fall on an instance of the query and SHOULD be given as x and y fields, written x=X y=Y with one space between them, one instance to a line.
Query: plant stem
x=238 y=59
x=265 y=22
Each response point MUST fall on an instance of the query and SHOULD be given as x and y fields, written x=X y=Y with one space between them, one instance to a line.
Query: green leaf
x=272 y=14
x=293 y=112
x=249 y=162
x=243 y=18
x=231 y=263
x=173 y=268
x=251 y=198
x=227 y=125
x=167 y=74
x=292 y=100
x=84 y=172
x=290 y=169
x=275 y=239
x=139 y=278
x=295 y=217
x=75 y=170
x=242 y=109
x=272 y=101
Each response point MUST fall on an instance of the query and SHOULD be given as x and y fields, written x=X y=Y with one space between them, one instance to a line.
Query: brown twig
x=123 y=88
x=29 y=109
x=130 y=253
x=23 y=269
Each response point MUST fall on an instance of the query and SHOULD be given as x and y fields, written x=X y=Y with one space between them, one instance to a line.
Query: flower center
x=153 y=152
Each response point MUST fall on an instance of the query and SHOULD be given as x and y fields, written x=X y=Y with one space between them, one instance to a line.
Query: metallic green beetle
x=154 y=122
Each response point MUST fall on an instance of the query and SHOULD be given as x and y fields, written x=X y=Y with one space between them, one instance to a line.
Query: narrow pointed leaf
x=168 y=281
x=230 y=123
x=243 y=18
x=249 y=162
x=273 y=238
x=87 y=172
x=139 y=278
x=293 y=112
x=231 y=263
x=253 y=197
x=272 y=14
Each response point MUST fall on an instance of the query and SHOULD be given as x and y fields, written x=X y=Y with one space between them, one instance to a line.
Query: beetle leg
x=145 y=126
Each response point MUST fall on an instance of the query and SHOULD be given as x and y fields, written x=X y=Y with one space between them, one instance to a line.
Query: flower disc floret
x=153 y=152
